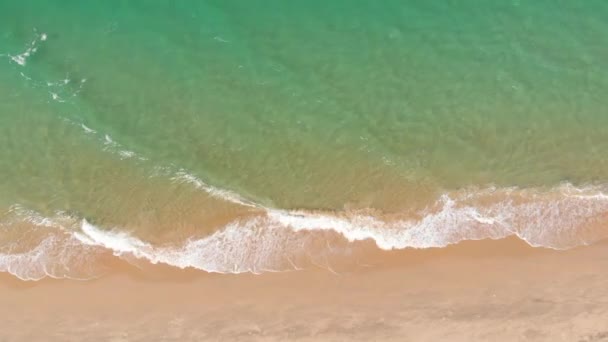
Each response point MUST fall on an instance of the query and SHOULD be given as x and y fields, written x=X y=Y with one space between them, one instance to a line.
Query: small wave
x=32 y=48
x=107 y=141
x=114 y=147
x=178 y=175
x=220 y=39
x=61 y=91
x=282 y=240
x=230 y=196
x=87 y=129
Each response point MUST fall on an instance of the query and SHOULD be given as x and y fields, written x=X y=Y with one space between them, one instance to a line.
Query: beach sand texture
x=477 y=291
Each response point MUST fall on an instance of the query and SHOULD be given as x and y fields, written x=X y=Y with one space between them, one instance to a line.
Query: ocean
x=262 y=136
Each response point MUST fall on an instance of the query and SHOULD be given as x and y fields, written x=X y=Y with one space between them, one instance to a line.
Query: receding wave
x=63 y=246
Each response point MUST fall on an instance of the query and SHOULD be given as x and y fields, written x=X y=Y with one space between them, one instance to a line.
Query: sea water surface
x=251 y=136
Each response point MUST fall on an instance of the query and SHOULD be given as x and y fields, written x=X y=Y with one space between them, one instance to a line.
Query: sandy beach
x=303 y=170
x=474 y=291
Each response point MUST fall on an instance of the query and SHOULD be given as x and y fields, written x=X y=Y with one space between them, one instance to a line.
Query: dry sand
x=475 y=291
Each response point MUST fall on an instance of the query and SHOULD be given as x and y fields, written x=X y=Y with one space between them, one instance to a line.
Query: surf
x=278 y=240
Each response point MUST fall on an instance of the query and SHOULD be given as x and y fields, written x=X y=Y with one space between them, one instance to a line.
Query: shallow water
x=252 y=136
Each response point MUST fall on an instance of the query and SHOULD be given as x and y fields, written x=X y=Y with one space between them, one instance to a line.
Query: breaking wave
x=62 y=246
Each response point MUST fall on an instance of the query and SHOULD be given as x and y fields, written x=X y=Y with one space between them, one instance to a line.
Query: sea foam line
x=227 y=195
x=45 y=247
x=282 y=240
x=32 y=48
x=178 y=175
x=551 y=224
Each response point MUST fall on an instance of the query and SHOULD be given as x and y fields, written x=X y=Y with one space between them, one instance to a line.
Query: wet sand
x=474 y=291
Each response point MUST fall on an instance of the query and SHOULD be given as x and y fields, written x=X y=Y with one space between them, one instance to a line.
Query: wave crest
x=281 y=240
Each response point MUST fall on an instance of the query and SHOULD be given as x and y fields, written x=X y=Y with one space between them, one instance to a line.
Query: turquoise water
x=414 y=124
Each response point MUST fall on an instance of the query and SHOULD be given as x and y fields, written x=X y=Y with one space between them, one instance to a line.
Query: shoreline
x=478 y=290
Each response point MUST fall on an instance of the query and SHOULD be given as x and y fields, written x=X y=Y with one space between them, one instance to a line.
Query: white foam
x=109 y=142
x=54 y=252
x=23 y=214
x=21 y=58
x=25 y=76
x=56 y=97
x=87 y=129
x=271 y=242
x=119 y=242
x=448 y=225
x=126 y=154
x=253 y=246
x=281 y=240
x=59 y=83
x=227 y=195
x=54 y=257
x=180 y=176
x=220 y=39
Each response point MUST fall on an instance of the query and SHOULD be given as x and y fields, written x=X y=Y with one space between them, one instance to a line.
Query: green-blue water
x=171 y=120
